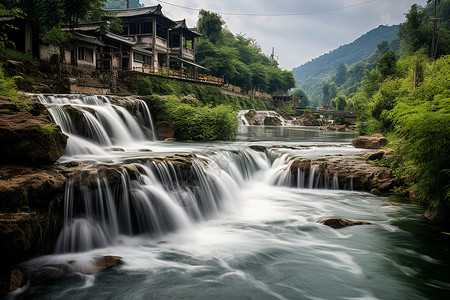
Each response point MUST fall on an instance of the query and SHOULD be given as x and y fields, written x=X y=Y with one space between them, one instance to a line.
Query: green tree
x=9 y=8
x=339 y=103
x=387 y=64
x=260 y=76
x=412 y=32
x=329 y=92
x=304 y=99
x=210 y=25
x=383 y=47
x=341 y=75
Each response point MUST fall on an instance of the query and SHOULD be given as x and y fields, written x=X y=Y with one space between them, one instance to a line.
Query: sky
x=298 y=30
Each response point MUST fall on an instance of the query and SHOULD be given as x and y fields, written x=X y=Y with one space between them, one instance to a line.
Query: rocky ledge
x=31 y=184
x=26 y=138
x=375 y=141
x=349 y=172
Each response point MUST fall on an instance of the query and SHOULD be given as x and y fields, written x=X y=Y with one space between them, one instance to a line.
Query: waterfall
x=99 y=121
x=151 y=195
x=103 y=202
x=310 y=175
x=241 y=117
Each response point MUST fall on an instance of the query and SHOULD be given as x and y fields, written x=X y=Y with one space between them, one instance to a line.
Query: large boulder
x=273 y=121
x=29 y=140
x=308 y=119
x=375 y=141
x=347 y=172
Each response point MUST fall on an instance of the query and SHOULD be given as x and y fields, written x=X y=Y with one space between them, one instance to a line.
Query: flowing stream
x=233 y=225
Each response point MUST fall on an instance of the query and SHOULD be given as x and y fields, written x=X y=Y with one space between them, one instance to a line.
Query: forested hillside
x=239 y=59
x=407 y=98
x=312 y=75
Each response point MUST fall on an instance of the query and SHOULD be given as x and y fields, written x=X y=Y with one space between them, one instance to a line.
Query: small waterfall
x=311 y=178
x=305 y=174
x=335 y=185
x=241 y=117
x=100 y=120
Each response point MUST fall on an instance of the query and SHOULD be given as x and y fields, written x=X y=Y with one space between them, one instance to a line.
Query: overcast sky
x=318 y=27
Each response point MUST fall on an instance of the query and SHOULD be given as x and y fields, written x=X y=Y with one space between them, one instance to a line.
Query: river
x=241 y=233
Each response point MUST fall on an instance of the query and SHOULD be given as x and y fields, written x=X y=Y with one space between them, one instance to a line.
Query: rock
x=165 y=130
x=116 y=149
x=145 y=150
x=17 y=279
x=375 y=141
x=106 y=262
x=375 y=192
x=384 y=153
x=29 y=140
x=308 y=119
x=258 y=148
x=170 y=140
x=349 y=172
x=440 y=217
x=272 y=121
x=28 y=186
x=335 y=127
x=269 y=118
x=340 y=223
x=38 y=274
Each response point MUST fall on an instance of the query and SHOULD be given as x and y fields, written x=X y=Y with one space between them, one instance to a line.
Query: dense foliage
x=237 y=58
x=206 y=95
x=8 y=89
x=200 y=123
x=198 y=112
x=407 y=97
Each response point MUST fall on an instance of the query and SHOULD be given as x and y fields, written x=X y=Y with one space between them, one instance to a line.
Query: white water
x=235 y=227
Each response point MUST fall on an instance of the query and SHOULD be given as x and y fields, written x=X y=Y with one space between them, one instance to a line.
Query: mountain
x=348 y=54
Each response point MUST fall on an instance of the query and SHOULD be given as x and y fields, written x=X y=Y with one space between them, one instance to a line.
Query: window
x=134 y=28
x=86 y=54
x=80 y=53
x=161 y=32
x=148 y=27
x=138 y=57
x=89 y=55
x=176 y=41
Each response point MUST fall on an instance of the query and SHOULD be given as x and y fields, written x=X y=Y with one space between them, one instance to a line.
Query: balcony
x=188 y=53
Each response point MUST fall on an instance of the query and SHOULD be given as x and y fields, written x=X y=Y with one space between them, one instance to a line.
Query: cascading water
x=92 y=121
x=225 y=221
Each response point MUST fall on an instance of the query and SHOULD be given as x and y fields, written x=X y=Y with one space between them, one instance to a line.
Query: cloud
x=297 y=39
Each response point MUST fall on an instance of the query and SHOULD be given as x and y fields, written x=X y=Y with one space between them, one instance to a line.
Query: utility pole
x=436 y=27
x=128 y=4
x=272 y=56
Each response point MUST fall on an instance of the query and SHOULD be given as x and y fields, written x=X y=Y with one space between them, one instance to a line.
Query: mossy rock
x=29 y=140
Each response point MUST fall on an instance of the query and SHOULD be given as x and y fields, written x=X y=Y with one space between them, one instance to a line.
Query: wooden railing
x=180 y=74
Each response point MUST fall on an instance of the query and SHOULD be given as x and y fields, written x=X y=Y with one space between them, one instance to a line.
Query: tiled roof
x=181 y=25
x=126 y=40
x=90 y=26
x=86 y=38
x=133 y=12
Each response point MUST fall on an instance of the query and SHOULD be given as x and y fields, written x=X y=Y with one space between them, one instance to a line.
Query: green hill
x=311 y=76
